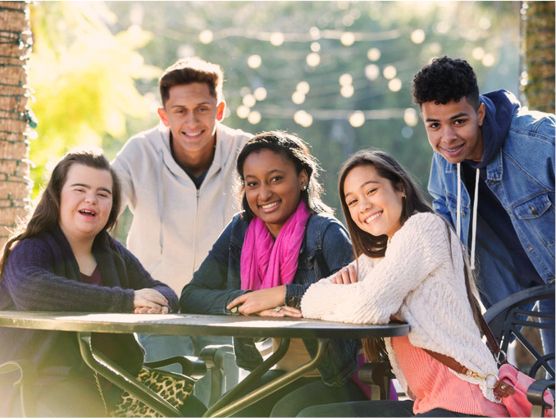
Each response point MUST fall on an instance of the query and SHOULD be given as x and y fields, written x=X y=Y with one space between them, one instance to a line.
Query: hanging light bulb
x=254 y=117
x=357 y=119
x=303 y=87
x=260 y=93
x=206 y=37
x=313 y=59
x=277 y=39
x=254 y=61
x=373 y=54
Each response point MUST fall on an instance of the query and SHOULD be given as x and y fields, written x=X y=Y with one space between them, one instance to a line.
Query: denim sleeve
x=336 y=253
x=436 y=190
x=208 y=292
x=336 y=247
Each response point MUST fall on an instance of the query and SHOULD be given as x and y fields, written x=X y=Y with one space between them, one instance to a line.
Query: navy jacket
x=41 y=274
x=325 y=249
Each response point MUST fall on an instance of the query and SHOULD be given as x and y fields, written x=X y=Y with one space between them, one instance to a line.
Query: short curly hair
x=445 y=80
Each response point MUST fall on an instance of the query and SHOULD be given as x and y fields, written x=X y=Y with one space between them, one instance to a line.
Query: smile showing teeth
x=87 y=212
x=452 y=150
x=373 y=217
x=269 y=206
x=192 y=134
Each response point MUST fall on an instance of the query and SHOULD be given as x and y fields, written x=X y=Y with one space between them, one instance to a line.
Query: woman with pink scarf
x=284 y=240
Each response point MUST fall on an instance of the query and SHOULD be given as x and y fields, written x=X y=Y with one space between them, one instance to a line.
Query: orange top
x=433 y=385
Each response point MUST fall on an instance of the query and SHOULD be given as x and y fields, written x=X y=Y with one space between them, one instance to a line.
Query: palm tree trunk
x=15 y=46
x=539 y=55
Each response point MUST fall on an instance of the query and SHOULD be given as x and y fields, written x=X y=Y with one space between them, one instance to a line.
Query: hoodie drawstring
x=474 y=214
x=458 y=203
x=160 y=200
x=474 y=220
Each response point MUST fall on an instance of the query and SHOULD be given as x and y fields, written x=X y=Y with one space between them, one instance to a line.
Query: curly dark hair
x=444 y=80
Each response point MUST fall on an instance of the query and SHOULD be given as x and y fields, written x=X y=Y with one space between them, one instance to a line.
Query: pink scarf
x=267 y=263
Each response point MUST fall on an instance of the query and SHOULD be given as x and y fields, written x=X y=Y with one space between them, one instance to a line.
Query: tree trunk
x=539 y=55
x=15 y=47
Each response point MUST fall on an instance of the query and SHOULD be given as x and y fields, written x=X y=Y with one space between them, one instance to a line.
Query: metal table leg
x=269 y=388
x=122 y=378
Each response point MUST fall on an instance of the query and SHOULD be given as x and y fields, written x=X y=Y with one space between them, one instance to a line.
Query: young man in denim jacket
x=492 y=178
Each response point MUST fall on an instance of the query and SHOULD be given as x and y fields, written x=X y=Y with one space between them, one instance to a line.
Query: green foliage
x=83 y=80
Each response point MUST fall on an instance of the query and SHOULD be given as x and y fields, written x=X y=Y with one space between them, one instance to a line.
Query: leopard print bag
x=173 y=387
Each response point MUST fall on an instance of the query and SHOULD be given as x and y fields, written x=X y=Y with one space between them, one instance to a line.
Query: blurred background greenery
x=337 y=73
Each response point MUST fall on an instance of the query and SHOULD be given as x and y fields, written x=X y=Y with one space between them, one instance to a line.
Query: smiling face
x=191 y=113
x=272 y=187
x=454 y=129
x=85 y=202
x=374 y=204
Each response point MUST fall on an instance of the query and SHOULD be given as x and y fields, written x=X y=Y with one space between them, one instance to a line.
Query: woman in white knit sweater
x=409 y=267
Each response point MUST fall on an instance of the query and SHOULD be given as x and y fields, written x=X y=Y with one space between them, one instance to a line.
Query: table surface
x=195 y=325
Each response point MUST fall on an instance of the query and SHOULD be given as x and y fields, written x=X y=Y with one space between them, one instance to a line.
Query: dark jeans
x=289 y=400
x=373 y=409
x=315 y=393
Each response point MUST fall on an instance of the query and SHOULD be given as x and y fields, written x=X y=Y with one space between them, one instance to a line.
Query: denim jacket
x=521 y=177
x=325 y=249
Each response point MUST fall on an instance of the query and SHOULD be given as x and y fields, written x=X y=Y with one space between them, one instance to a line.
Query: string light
x=347 y=39
x=478 y=53
x=389 y=72
x=313 y=59
x=345 y=79
x=242 y=111
x=347 y=91
x=315 y=46
x=373 y=54
x=372 y=71
x=410 y=117
x=303 y=87
x=249 y=100
x=277 y=39
x=418 y=36
x=298 y=98
x=395 y=85
x=260 y=93
x=303 y=118
x=254 y=117
x=488 y=60
x=206 y=37
x=254 y=61
x=357 y=119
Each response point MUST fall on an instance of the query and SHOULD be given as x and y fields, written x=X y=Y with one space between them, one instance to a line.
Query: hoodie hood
x=500 y=107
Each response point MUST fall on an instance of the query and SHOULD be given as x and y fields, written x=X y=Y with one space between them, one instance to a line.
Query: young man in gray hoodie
x=492 y=178
x=178 y=179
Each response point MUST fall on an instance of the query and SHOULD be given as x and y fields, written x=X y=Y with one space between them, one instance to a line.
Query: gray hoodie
x=174 y=223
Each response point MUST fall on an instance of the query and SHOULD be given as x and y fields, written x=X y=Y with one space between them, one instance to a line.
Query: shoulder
x=323 y=227
x=425 y=224
x=151 y=139
x=323 y=221
x=232 y=139
x=33 y=248
x=533 y=125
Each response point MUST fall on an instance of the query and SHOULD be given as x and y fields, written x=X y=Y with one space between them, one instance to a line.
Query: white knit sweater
x=421 y=280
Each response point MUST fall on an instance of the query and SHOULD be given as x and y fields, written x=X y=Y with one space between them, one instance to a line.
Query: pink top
x=434 y=386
